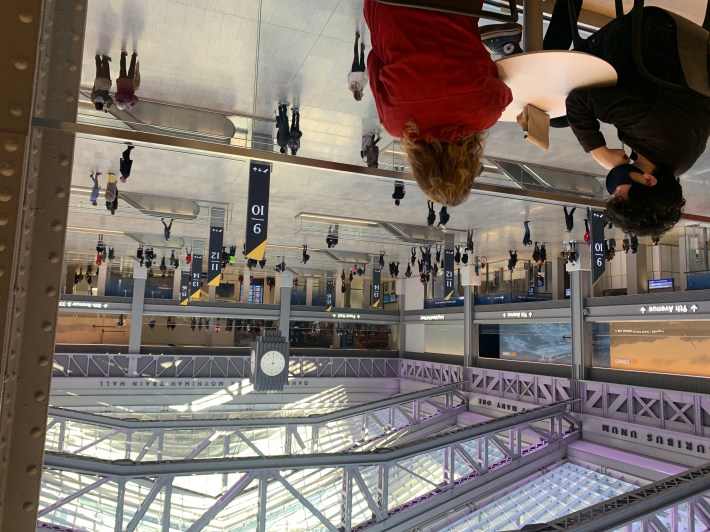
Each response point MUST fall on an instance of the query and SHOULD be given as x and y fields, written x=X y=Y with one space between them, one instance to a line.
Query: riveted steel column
x=35 y=174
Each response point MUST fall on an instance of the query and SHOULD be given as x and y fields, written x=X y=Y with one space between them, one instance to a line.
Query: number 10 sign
x=257 y=209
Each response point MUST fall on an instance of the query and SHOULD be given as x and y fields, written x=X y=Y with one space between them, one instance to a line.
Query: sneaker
x=502 y=39
x=106 y=58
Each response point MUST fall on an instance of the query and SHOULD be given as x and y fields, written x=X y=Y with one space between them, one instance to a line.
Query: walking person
x=111 y=194
x=167 y=228
x=443 y=217
x=294 y=137
x=399 y=192
x=127 y=83
x=569 y=218
x=513 y=260
x=370 y=151
x=357 y=78
x=102 y=84
x=125 y=163
x=526 y=236
x=95 y=189
x=431 y=216
x=283 y=133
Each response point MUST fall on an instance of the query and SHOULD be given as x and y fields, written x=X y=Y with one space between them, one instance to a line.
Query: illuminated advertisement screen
x=681 y=347
x=536 y=342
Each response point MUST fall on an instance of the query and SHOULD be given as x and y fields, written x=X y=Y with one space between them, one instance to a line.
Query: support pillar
x=309 y=291
x=338 y=299
x=277 y=290
x=580 y=289
x=637 y=272
x=211 y=293
x=558 y=278
x=285 y=310
x=246 y=285
x=140 y=274
x=532 y=25
x=35 y=177
x=101 y=280
x=177 y=277
x=402 y=329
x=469 y=280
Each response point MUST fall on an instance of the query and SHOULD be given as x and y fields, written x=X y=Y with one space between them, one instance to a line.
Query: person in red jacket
x=126 y=84
x=437 y=89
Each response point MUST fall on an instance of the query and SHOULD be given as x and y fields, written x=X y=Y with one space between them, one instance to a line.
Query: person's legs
x=559 y=35
x=356 y=63
x=362 y=56
x=105 y=67
x=99 y=72
x=132 y=67
x=126 y=155
x=122 y=70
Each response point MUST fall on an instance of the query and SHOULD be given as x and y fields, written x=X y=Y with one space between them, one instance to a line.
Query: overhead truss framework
x=340 y=491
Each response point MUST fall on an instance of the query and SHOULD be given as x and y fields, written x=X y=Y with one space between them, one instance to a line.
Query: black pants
x=358 y=66
x=559 y=35
x=131 y=68
x=102 y=68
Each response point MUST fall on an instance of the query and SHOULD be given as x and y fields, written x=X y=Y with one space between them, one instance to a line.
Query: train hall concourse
x=277 y=265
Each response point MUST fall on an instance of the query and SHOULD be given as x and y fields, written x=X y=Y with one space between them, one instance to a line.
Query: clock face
x=272 y=363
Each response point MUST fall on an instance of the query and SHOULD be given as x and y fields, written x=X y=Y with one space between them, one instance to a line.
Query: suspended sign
x=214 y=268
x=376 y=281
x=329 y=294
x=195 y=274
x=597 y=240
x=184 y=287
x=257 y=209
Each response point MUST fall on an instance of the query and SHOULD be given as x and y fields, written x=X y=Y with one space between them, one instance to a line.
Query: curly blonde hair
x=444 y=170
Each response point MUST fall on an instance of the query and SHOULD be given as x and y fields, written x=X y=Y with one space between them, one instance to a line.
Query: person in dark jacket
x=513 y=260
x=398 y=194
x=102 y=84
x=370 y=151
x=443 y=217
x=125 y=163
x=431 y=216
x=569 y=218
x=283 y=133
x=167 y=228
x=526 y=236
x=666 y=129
x=294 y=136
x=127 y=83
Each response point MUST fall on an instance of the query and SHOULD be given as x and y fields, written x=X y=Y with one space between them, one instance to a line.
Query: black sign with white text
x=214 y=268
x=195 y=274
x=376 y=282
x=597 y=239
x=329 y=294
x=184 y=287
x=257 y=209
x=448 y=273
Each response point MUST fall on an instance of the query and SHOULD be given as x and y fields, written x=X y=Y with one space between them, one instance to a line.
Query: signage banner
x=184 y=287
x=257 y=209
x=448 y=272
x=214 y=267
x=376 y=286
x=195 y=274
x=329 y=294
x=597 y=239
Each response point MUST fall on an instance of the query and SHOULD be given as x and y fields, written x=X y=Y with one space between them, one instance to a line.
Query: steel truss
x=430 y=372
x=643 y=504
x=666 y=409
x=207 y=366
x=345 y=491
x=356 y=428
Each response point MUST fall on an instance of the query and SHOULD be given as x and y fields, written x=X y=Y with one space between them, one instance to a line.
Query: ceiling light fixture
x=93 y=231
x=336 y=219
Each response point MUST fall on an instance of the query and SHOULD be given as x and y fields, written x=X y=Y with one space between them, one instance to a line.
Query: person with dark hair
x=127 y=83
x=457 y=254
x=167 y=228
x=536 y=253
x=331 y=239
x=652 y=120
x=125 y=163
x=102 y=84
x=626 y=244
x=569 y=218
x=413 y=257
x=443 y=217
x=438 y=104
x=543 y=252
x=431 y=215
x=111 y=194
x=469 y=240
x=357 y=78
x=399 y=192
x=283 y=133
x=305 y=256
x=294 y=136
x=95 y=189
x=370 y=152
x=526 y=236
x=513 y=260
